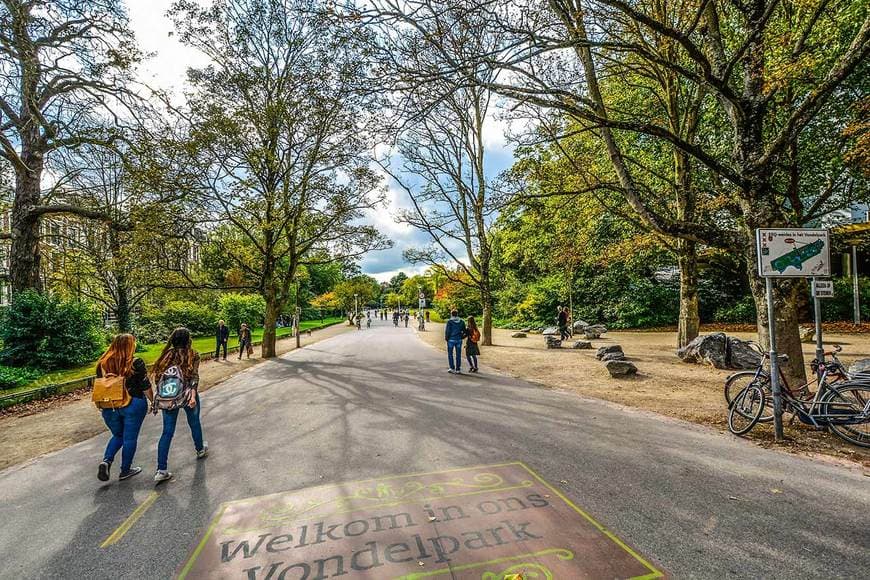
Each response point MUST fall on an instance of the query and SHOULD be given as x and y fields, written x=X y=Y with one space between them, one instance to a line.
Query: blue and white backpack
x=172 y=390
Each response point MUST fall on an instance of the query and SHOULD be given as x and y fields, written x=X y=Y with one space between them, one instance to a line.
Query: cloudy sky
x=167 y=67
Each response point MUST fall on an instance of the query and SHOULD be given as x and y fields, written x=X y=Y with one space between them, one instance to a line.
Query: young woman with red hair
x=124 y=422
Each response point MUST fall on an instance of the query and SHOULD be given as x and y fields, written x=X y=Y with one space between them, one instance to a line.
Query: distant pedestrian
x=407 y=318
x=454 y=332
x=119 y=364
x=427 y=316
x=222 y=337
x=472 y=350
x=396 y=318
x=562 y=321
x=421 y=321
x=245 y=344
x=176 y=373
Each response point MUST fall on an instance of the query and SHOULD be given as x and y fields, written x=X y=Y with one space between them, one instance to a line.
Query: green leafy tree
x=356 y=293
x=280 y=128
x=238 y=308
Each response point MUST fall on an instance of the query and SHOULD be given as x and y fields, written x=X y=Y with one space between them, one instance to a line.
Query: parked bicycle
x=841 y=403
x=833 y=371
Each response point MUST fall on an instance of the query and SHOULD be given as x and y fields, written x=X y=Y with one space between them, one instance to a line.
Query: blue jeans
x=169 y=420
x=124 y=423
x=454 y=352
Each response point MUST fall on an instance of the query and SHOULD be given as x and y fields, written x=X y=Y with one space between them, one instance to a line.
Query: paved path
x=376 y=403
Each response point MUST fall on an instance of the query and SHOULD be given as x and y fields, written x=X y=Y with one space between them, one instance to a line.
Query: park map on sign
x=495 y=522
x=793 y=252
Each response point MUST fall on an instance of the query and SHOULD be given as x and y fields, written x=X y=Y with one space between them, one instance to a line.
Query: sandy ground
x=664 y=384
x=31 y=430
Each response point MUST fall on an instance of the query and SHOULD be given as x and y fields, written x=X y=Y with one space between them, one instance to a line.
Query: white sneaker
x=203 y=453
x=162 y=475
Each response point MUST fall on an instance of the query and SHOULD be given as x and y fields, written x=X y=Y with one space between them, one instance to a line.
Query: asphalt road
x=377 y=402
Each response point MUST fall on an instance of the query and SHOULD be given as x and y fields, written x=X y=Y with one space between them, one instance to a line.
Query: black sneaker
x=103 y=471
x=129 y=473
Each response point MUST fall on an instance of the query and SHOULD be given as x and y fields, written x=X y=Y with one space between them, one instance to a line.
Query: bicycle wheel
x=746 y=409
x=849 y=400
x=739 y=381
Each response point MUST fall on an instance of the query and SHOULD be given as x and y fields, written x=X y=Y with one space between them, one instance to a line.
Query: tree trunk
x=269 y=338
x=122 y=308
x=689 y=321
x=486 y=339
x=24 y=271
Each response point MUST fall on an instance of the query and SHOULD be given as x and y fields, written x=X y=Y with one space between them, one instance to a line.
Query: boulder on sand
x=518 y=335
x=599 y=328
x=553 y=342
x=720 y=351
x=590 y=333
x=620 y=368
x=741 y=355
x=807 y=333
x=607 y=349
x=550 y=330
x=613 y=356
x=582 y=344
x=580 y=325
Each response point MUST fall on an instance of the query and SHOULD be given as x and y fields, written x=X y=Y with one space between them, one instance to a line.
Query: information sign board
x=793 y=253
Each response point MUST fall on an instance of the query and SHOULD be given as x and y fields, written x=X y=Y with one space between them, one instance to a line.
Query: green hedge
x=45 y=332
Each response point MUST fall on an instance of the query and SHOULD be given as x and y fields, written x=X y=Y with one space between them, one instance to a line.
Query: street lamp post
x=356 y=309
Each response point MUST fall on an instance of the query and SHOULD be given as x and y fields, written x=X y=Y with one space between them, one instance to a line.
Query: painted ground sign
x=495 y=522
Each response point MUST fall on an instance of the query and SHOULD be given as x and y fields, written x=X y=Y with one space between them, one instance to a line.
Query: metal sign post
x=821 y=289
x=774 y=363
x=789 y=253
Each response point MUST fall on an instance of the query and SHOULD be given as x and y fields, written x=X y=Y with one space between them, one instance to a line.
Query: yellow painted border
x=654 y=572
x=125 y=526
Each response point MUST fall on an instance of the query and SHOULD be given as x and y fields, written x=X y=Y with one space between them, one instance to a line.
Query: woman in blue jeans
x=125 y=422
x=179 y=352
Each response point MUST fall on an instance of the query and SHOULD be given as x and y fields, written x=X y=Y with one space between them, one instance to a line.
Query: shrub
x=48 y=333
x=198 y=318
x=11 y=377
x=239 y=308
x=741 y=311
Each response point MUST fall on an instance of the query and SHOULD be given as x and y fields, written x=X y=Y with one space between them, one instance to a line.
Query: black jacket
x=223 y=333
x=138 y=382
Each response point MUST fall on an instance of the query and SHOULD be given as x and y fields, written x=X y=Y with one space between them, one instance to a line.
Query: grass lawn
x=200 y=344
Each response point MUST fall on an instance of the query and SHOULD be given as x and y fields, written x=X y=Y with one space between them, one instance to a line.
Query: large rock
x=599 y=328
x=518 y=335
x=606 y=350
x=553 y=342
x=580 y=325
x=860 y=366
x=807 y=333
x=741 y=355
x=620 y=368
x=582 y=344
x=720 y=351
x=707 y=348
x=525 y=330
x=550 y=330
x=590 y=333
x=613 y=356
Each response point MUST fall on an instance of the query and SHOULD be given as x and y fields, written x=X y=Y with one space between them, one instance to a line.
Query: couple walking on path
x=176 y=375
x=222 y=337
x=454 y=332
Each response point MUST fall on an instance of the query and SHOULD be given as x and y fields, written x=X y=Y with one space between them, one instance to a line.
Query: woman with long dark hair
x=124 y=422
x=472 y=351
x=178 y=353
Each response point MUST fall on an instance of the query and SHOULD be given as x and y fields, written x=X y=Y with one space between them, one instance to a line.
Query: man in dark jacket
x=562 y=321
x=454 y=332
x=222 y=337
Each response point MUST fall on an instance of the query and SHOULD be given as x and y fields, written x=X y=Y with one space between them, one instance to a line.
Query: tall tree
x=443 y=165
x=280 y=134
x=65 y=67
x=772 y=68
